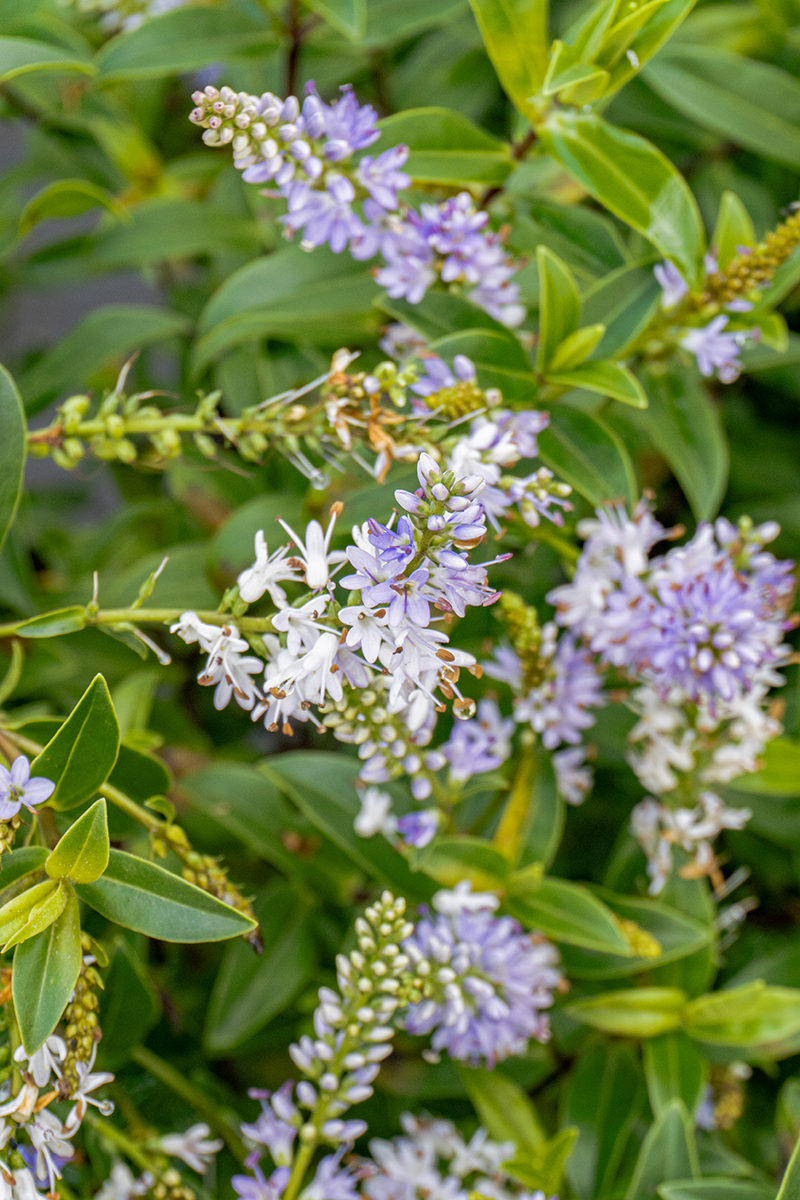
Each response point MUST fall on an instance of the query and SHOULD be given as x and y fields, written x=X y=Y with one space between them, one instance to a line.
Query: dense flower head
x=481 y=744
x=487 y=987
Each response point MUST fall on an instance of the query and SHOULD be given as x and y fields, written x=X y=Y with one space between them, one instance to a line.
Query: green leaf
x=437 y=314
x=45 y=973
x=390 y=20
x=677 y=935
x=450 y=859
x=564 y=912
x=733 y=229
x=541 y=832
x=251 y=989
x=53 y=624
x=675 y=1070
x=107 y=336
x=754 y=104
x=182 y=41
x=659 y=28
x=683 y=425
x=82 y=853
x=606 y=378
x=40 y=916
x=625 y=301
x=586 y=452
x=322 y=786
x=585 y=240
x=20 y=55
x=67 y=198
x=790 y=1185
x=165 y=228
x=603 y=1097
x=499 y=360
x=129 y=1007
x=544 y=1169
x=634 y=180
x=636 y=1012
x=505 y=1111
x=780 y=775
x=321 y=297
x=446 y=147
x=718 y=1188
x=29 y=908
x=142 y=896
x=559 y=305
x=668 y=1152
x=515 y=35
x=80 y=756
x=12 y=452
x=576 y=348
x=20 y=866
x=348 y=16
x=751 y=1015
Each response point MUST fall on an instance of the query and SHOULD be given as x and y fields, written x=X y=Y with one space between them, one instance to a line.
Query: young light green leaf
x=12 y=451
x=603 y=1097
x=634 y=180
x=559 y=305
x=733 y=229
x=659 y=28
x=45 y=973
x=79 y=758
x=505 y=1111
x=675 y=1070
x=751 y=1015
x=780 y=774
x=446 y=147
x=53 y=624
x=67 y=198
x=635 y=1012
x=605 y=378
x=20 y=55
x=142 y=896
x=584 y=450
x=41 y=915
x=451 y=859
x=250 y=990
x=515 y=35
x=565 y=912
x=576 y=348
x=82 y=853
x=16 y=913
x=668 y=1152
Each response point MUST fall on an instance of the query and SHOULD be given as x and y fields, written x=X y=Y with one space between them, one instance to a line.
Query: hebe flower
x=17 y=788
x=486 y=984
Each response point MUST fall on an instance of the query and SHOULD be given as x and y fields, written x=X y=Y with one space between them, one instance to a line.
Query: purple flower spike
x=17 y=788
x=419 y=828
x=383 y=178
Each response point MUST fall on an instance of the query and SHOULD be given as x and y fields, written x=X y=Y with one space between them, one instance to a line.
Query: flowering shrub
x=399 y=751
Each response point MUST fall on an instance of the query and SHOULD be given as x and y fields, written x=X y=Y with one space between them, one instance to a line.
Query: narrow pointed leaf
x=605 y=378
x=82 y=853
x=79 y=758
x=45 y=972
x=668 y=1152
x=516 y=39
x=12 y=451
x=559 y=305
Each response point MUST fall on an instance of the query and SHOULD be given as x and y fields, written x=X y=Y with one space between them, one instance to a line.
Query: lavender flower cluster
x=715 y=346
x=305 y=150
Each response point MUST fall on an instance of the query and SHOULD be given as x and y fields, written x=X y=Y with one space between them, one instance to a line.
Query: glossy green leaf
x=675 y=1070
x=182 y=41
x=603 y=1097
x=29 y=908
x=576 y=348
x=564 y=912
x=586 y=452
x=450 y=859
x=635 y=1012
x=348 y=16
x=499 y=360
x=733 y=229
x=53 y=624
x=82 y=853
x=585 y=240
x=751 y=1015
x=129 y=1006
x=754 y=104
x=559 y=305
x=668 y=1152
x=12 y=451
x=542 y=830
x=504 y=1109
x=634 y=180
x=322 y=785
x=683 y=425
x=45 y=972
x=251 y=989
x=41 y=916
x=321 y=297
x=446 y=147
x=625 y=301
x=142 y=896
x=718 y=1188
x=21 y=55
x=67 y=198
x=677 y=935
x=659 y=28
x=107 y=336
x=516 y=38
x=605 y=378
x=80 y=756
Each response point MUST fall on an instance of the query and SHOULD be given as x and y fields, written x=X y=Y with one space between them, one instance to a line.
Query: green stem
x=207 y=1107
x=147 y=616
x=120 y=1139
x=299 y=1169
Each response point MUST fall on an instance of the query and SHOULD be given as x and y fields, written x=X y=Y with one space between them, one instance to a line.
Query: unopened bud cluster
x=526 y=636
x=81 y=1029
x=753 y=269
x=8 y=831
x=170 y=1186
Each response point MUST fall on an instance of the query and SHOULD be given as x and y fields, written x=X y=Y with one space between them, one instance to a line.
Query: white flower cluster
x=434 y=1162
x=659 y=829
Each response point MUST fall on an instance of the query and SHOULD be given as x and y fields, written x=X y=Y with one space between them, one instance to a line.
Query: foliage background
x=129 y=263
